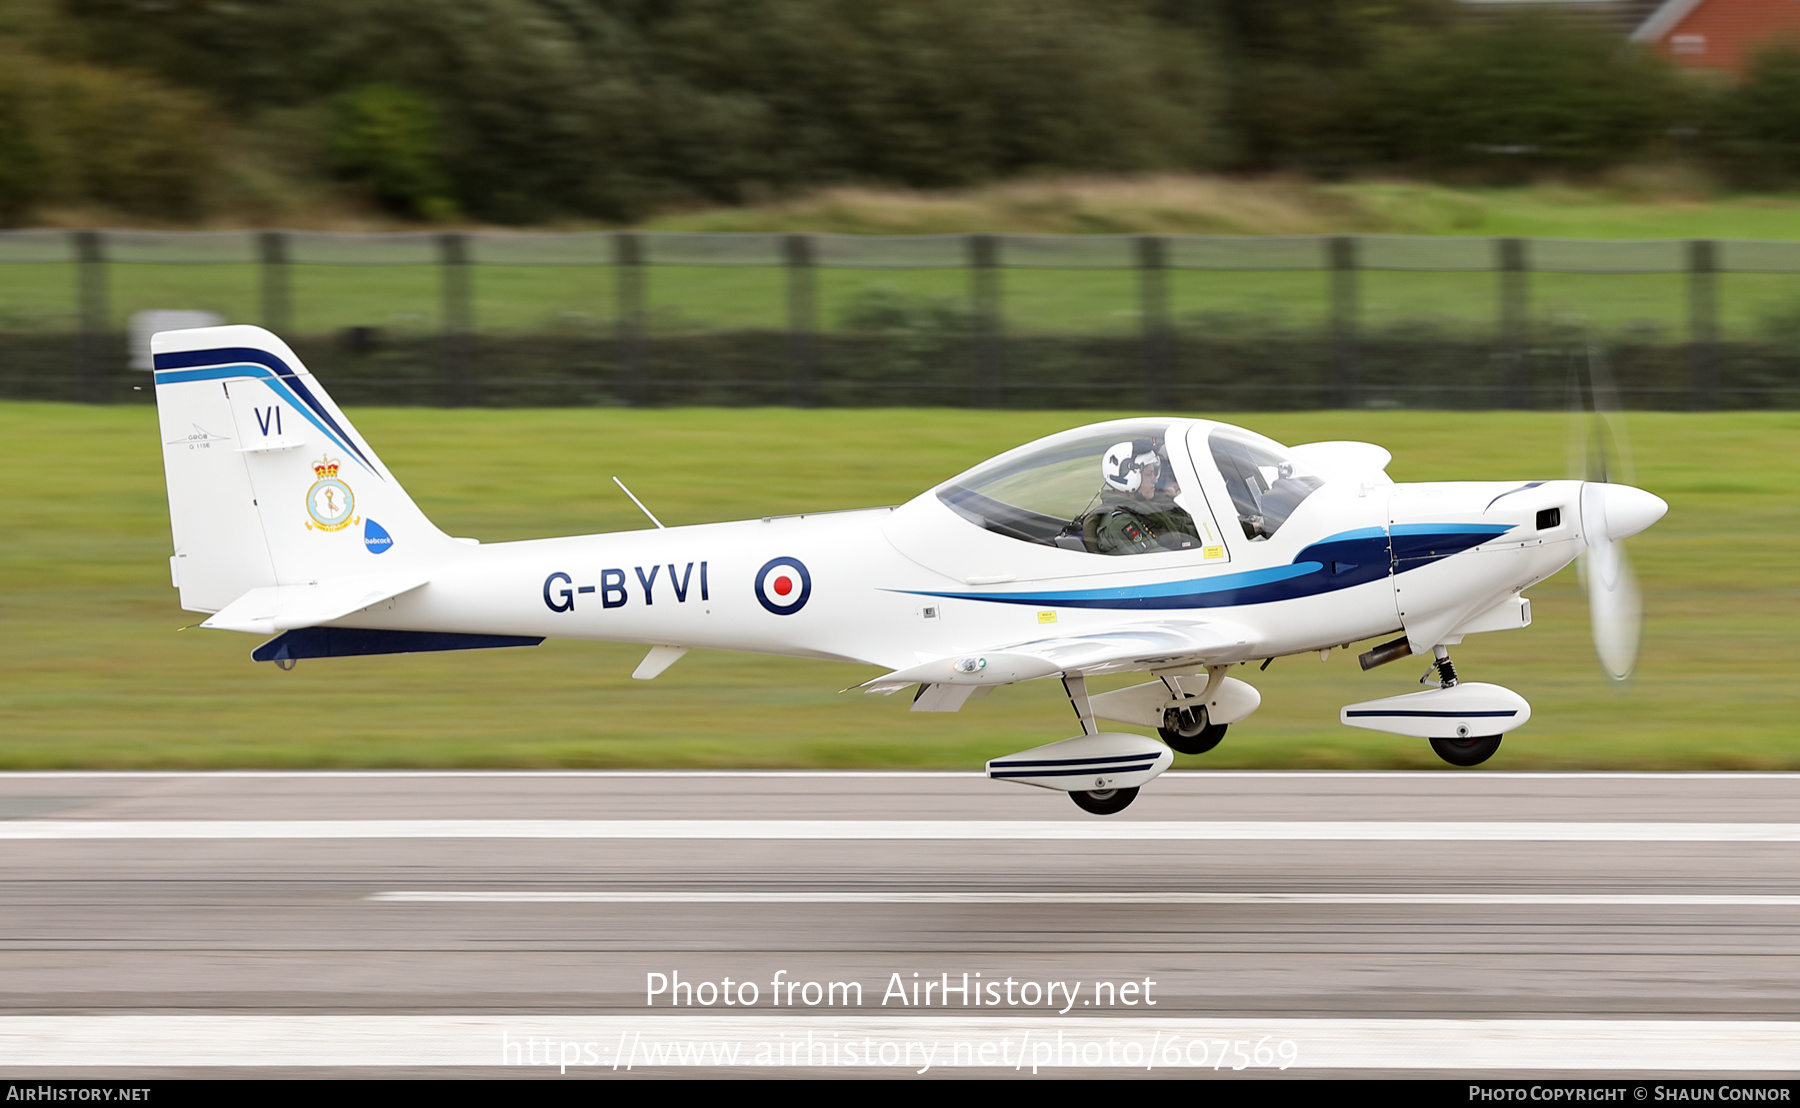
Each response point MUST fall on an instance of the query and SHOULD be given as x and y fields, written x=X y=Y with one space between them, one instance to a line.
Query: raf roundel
x=783 y=586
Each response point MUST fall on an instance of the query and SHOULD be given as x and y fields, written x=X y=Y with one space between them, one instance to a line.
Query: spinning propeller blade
x=1611 y=511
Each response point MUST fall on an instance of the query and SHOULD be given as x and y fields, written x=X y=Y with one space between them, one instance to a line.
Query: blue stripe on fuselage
x=1427 y=542
x=1340 y=561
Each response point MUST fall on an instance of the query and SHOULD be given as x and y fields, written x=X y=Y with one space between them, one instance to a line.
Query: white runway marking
x=839 y=830
x=1440 y=776
x=997 y=1041
x=579 y=896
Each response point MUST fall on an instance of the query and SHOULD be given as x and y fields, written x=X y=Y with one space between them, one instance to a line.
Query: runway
x=1622 y=906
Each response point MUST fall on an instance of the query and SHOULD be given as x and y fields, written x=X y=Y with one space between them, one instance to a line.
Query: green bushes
x=519 y=111
x=1755 y=126
x=1529 y=92
x=77 y=135
x=607 y=107
x=386 y=139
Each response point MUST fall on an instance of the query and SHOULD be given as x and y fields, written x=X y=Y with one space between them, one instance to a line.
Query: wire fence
x=1156 y=321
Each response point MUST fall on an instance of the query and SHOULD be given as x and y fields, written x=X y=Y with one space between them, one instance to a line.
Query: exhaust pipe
x=1385 y=653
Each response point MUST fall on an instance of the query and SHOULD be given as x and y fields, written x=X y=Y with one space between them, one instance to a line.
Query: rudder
x=268 y=483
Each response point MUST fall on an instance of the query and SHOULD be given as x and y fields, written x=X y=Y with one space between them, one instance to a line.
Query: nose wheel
x=1466 y=752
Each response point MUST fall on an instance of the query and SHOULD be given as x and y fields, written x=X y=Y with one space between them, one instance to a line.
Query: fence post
x=989 y=385
x=1515 y=323
x=1703 y=323
x=803 y=323
x=1153 y=314
x=272 y=247
x=91 y=312
x=1346 y=313
x=453 y=263
x=628 y=314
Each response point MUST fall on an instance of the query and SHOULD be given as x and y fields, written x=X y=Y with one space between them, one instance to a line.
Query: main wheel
x=1466 y=752
x=1104 y=802
x=1187 y=731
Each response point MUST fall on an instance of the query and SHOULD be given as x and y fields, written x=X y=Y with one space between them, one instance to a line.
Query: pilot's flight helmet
x=1124 y=464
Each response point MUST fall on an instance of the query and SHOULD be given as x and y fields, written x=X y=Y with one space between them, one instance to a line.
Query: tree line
x=530 y=111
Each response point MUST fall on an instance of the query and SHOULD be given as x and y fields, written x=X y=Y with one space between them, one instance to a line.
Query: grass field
x=96 y=674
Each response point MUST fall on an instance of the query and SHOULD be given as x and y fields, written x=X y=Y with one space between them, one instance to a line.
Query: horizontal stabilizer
x=346 y=642
x=275 y=608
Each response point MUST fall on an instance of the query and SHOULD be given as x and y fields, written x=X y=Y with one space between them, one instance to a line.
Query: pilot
x=1137 y=510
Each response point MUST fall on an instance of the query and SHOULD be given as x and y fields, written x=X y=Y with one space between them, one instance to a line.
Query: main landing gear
x=1099 y=802
x=1104 y=802
x=1464 y=749
x=1187 y=730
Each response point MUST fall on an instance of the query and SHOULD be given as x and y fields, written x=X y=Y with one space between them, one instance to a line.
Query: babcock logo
x=376 y=538
x=783 y=586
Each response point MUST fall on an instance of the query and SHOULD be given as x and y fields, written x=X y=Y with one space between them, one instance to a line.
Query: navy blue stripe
x=1432 y=715
x=1072 y=772
x=1076 y=761
x=347 y=642
x=1338 y=562
x=193 y=359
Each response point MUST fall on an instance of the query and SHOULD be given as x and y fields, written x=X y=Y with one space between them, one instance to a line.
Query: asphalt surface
x=459 y=923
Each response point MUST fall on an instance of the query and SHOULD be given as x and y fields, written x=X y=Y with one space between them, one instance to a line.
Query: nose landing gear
x=1465 y=749
x=1462 y=719
x=1466 y=752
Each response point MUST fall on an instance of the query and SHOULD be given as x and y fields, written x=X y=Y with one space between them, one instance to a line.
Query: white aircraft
x=1175 y=547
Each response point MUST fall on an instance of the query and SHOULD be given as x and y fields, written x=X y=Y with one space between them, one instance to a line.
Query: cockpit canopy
x=1111 y=491
x=1265 y=483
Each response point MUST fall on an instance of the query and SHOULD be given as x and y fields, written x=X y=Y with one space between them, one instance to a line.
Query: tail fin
x=269 y=484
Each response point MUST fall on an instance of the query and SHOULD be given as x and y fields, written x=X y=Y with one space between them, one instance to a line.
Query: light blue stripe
x=266 y=376
x=1351 y=536
x=1450 y=528
x=1248 y=579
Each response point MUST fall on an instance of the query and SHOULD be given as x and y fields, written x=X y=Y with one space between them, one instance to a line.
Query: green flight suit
x=1128 y=525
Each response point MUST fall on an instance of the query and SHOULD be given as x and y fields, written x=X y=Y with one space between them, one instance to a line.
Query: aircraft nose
x=1624 y=510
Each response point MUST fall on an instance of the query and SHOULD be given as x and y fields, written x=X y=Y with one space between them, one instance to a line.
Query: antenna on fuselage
x=639 y=503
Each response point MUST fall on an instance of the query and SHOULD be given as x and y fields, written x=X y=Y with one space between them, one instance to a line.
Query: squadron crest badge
x=329 y=502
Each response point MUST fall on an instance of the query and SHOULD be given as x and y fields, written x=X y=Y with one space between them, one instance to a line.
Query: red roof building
x=1718 y=35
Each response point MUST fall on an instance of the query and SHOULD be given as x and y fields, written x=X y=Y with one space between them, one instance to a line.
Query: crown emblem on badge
x=324 y=468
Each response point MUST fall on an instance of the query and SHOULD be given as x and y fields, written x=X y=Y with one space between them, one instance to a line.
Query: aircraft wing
x=275 y=608
x=1166 y=644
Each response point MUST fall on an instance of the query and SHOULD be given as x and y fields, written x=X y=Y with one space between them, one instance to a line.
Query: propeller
x=1612 y=510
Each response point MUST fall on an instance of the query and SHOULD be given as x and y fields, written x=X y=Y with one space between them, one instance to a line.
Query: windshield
x=1110 y=492
x=1265 y=484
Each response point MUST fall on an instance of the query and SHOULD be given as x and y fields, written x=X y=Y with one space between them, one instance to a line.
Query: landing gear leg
x=1442 y=666
x=1076 y=687
x=1464 y=749
x=1099 y=802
